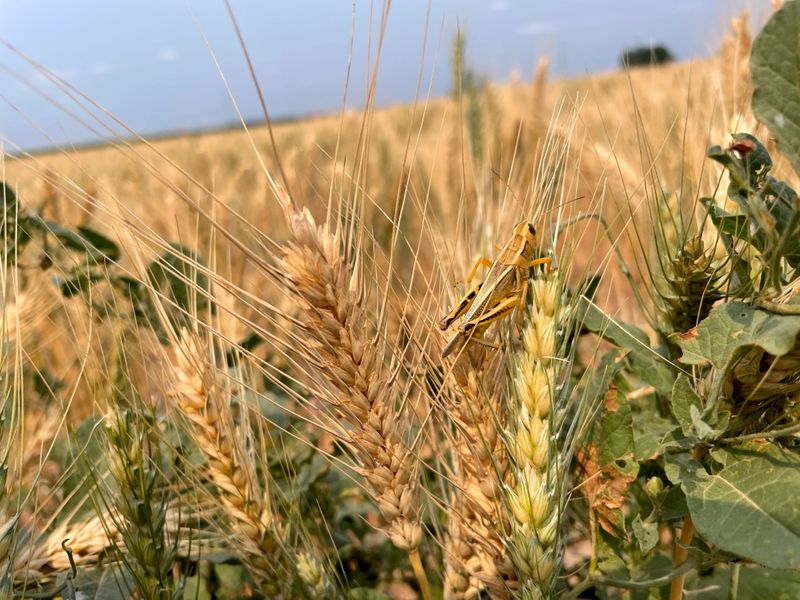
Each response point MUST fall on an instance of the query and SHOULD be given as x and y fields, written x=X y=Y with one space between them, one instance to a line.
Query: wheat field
x=265 y=411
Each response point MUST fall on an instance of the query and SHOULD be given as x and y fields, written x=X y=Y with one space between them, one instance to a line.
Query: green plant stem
x=630 y=585
x=593 y=559
x=419 y=572
x=779 y=309
x=733 y=591
x=775 y=433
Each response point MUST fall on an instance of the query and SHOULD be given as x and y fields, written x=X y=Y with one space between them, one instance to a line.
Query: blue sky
x=146 y=61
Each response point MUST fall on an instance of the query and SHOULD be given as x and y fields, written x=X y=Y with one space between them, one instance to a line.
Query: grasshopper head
x=525 y=236
x=526 y=231
x=520 y=248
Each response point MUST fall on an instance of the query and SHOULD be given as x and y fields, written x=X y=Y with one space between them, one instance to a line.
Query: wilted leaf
x=605 y=490
x=750 y=507
x=775 y=66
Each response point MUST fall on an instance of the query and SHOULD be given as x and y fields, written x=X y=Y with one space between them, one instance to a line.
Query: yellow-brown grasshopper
x=501 y=292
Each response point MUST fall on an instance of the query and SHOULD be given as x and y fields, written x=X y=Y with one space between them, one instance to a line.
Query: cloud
x=680 y=8
x=167 y=54
x=536 y=28
x=498 y=5
x=100 y=68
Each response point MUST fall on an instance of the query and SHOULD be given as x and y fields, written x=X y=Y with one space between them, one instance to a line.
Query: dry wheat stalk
x=206 y=406
x=460 y=559
x=349 y=365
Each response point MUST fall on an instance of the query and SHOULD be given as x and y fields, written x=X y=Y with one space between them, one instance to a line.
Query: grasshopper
x=501 y=291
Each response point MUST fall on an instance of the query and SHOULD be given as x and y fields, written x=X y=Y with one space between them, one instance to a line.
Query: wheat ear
x=349 y=365
x=478 y=559
x=533 y=492
x=206 y=405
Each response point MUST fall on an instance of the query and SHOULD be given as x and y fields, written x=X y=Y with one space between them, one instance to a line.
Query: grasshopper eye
x=531 y=229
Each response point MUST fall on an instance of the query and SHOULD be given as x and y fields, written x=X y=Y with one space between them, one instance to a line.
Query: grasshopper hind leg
x=468 y=298
x=460 y=308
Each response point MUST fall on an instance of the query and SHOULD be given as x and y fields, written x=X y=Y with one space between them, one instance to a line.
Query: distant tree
x=641 y=56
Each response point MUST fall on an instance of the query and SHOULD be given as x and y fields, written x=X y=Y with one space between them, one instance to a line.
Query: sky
x=158 y=65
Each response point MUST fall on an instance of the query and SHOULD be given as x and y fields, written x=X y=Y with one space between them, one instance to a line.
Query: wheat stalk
x=140 y=502
x=314 y=576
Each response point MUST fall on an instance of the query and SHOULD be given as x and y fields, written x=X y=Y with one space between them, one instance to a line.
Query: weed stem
x=681 y=552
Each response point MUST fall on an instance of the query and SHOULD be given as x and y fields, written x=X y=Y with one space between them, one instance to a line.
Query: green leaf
x=100 y=244
x=617 y=435
x=232 y=581
x=674 y=505
x=616 y=429
x=683 y=399
x=96 y=246
x=754 y=583
x=775 y=66
x=106 y=584
x=646 y=533
x=179 y=275
x=701 y=429
x=727 y=223
x=649 y=431
x=14 y=227
x=749 y=508
x=8 y=195
x=731 y=328
x=768 y=583
x=645 y=363
x=80 y=282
